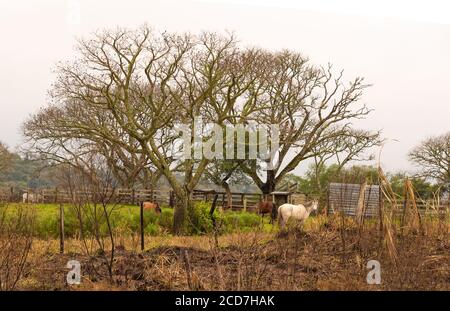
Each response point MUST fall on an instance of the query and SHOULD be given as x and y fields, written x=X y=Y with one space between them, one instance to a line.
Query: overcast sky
x=401 y=47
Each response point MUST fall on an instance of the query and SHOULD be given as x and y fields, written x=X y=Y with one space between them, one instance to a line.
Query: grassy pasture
x=125 y=219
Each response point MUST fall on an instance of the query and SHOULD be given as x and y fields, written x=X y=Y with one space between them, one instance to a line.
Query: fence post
x=61 y=228
x=405 y=205
x=360 y=205
x=56 y=194
x=213 y=218
x=142 y=226
x=244 y=202
x=327 y=209
x=152 y=195
x=133 y=194
x=187 y=266
x=380 y=207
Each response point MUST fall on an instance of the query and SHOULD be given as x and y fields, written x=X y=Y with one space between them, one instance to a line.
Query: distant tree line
x=21 y=172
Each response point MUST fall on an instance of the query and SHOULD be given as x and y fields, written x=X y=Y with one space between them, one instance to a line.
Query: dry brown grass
x=312 y=258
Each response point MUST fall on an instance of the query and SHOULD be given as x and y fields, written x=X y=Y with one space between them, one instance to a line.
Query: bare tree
x=51 y=136
x=136 y=86
x=432 y=156
x=314 y=110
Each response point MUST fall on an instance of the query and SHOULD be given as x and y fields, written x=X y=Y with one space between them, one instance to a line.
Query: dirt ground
x=316 y=260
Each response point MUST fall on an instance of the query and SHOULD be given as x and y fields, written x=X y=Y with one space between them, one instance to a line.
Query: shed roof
x=281 y=192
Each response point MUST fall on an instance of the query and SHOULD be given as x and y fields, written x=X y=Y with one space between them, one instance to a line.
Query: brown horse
x=267 y=207
x=151 y=206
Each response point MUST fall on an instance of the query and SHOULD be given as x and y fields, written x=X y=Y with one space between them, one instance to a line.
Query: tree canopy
x=124 y=96
x=432 y=157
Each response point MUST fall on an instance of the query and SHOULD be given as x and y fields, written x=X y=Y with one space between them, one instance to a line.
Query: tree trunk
x=226 y=186
x=179 y=212
x=269 y=186
x=178 y=217
x=182 y=203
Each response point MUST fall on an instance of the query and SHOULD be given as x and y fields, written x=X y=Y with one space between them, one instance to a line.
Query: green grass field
x=126 y=219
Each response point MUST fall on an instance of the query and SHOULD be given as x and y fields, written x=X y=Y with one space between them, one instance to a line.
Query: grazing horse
x=151 y=206
x=298 y=212
x=267 y=207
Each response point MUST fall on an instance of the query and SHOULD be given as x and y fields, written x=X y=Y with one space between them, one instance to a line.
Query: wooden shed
x=281 y=197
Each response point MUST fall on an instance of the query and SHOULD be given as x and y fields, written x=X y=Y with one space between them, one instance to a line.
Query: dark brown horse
x=267 y=207
x=151 y=206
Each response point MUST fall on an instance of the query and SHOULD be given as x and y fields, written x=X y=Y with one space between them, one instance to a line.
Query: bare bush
x=16 y=238
x=92 y=197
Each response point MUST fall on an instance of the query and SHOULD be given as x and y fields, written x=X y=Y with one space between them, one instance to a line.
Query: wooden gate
x=345 y=198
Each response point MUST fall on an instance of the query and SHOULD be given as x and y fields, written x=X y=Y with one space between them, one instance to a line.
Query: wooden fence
x=124 y=196
x=164 y=196
x=57 y=195
x=239 y=200
x=346 y=198
x=341 y=197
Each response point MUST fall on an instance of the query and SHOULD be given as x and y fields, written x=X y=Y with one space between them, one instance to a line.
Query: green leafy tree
x=424 y=189
x=316 y=180
x=5 y=159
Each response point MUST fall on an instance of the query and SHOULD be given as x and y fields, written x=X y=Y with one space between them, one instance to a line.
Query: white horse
x=298 y=212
